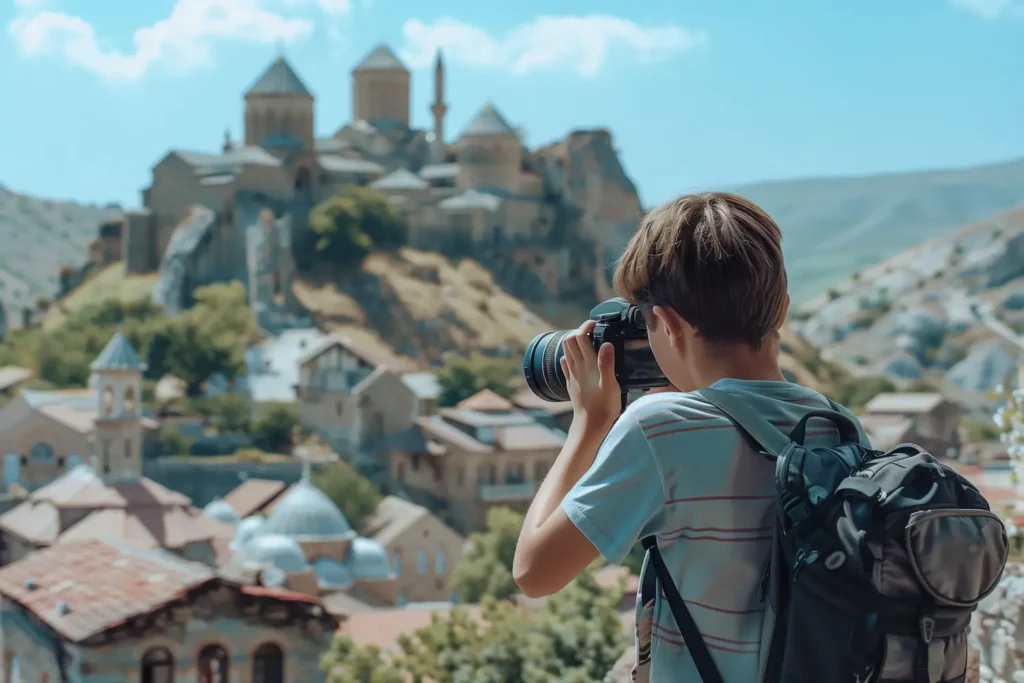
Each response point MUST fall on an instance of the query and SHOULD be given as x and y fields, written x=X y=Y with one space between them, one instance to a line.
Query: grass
x=110 y=283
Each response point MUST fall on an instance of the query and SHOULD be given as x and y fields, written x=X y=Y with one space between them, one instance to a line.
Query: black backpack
x=879 y=560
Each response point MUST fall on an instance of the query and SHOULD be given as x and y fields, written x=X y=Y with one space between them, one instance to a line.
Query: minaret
x=118 y=375
x=227 y=140
x=438 y=109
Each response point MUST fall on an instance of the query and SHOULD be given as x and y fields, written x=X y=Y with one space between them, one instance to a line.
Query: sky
x=698 y=95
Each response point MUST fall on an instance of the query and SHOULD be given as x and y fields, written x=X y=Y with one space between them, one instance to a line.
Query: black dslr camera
x=618 y=323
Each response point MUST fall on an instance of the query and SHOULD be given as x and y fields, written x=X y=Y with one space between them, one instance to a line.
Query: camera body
x=617 y=322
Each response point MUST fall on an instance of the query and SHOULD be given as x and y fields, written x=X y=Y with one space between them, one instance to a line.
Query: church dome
x=368 y=560
x=331 y=573
x=279 y=552
x=248 y=529
x=222 y=510
x=306 y=513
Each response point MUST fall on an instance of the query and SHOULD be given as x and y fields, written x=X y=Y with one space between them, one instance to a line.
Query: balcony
x=497 y=493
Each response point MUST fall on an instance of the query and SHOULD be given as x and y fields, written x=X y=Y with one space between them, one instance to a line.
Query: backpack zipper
x=762 y=592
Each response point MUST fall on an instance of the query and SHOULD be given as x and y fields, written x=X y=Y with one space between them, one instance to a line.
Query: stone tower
x=279 y=111
x=117 y=373
x=438 y=109
x=490 y=154
x=380 y=89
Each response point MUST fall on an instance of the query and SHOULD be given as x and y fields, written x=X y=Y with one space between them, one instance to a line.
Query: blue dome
x=331 y=573
x=368 y=560
x=306 y=513
x=222 y=510
x=248 y=529
x=279 y=552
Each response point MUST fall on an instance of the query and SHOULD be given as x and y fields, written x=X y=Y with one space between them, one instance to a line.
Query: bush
x=465 y=378
x=173 y=442
x=349 y=226
x=856 y=392
x=275 y=429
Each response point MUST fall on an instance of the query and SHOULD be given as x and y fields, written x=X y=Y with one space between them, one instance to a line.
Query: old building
x=44 y=434
x=927 y=419
x=305 y=543
x=93 y=610
x=242 y=212
x=352 y=397
x=464 y=460
x=423 y=549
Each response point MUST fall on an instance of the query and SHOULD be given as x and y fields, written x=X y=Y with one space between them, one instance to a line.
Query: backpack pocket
x=957 y=555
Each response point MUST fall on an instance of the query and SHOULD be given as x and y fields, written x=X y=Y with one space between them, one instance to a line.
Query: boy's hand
x=593 y=389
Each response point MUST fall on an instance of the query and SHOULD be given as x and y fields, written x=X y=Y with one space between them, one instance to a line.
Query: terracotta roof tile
x=527 y=438
x=486 y=401
x=82 y=588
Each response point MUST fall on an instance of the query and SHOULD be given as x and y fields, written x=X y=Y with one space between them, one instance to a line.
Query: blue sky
x=697 y=94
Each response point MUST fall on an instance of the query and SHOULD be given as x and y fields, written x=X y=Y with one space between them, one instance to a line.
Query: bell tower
x=117 y=376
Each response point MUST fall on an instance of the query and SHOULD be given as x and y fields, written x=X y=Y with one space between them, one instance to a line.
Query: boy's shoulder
x=652 y=410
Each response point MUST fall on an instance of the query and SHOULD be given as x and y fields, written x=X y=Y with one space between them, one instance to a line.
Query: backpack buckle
x=927 y=628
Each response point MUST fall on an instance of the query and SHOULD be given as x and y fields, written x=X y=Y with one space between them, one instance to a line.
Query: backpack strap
x=738 y=411
x=706 y=667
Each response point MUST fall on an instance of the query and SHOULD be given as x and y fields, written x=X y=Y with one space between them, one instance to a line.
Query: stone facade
x=521 y=213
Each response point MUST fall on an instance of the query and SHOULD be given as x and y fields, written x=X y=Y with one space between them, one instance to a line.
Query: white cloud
x=991 y=9
x=183 y=40
x=578 y=43
x=328 y=6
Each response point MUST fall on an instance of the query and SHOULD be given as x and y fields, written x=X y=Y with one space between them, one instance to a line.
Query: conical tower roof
x=488 y=121
x=380 y=59
x=118 y=354
x=279 y=79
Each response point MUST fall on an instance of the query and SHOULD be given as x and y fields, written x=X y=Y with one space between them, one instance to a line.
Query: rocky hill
x=833 y=227
x=949 y=310
x=39 y=236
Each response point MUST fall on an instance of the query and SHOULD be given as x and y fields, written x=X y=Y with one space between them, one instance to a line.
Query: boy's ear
x=673 y=323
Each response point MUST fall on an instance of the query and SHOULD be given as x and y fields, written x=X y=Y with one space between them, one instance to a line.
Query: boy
x=708 y=273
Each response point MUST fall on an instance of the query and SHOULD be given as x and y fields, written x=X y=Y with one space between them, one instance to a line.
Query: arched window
x=421 y=562
x=157 y=666
x=440 y=562
x=268 y=664
x=107 y=406
x=42 y=451
x=213 y=665
x=129 y=401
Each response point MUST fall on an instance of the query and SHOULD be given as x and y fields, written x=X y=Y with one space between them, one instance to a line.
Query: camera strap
x=706 y=667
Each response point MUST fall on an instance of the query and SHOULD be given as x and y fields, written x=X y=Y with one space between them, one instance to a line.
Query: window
x=129 y=401
x=157 y=666
x=268 y=664
x=107 y=404
x=127 y=448
x=440 y=564
x=42 y=451
x=213 y=665
x=421 y=562
x=396 y=562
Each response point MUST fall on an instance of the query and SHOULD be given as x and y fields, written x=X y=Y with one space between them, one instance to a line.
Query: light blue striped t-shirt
x=673 y=465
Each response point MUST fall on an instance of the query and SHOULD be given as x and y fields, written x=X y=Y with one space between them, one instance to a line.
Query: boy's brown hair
x=714 y=257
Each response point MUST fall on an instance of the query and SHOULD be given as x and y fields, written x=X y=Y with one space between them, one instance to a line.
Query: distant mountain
x=38 y=236
x=834 y=227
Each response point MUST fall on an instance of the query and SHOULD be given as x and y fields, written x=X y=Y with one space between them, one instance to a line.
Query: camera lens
x=542 y=366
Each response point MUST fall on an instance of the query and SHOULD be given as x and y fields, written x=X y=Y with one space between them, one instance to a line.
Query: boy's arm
x=552 y=551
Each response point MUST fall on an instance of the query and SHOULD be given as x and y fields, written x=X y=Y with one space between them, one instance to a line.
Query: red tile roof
x=252 y=495
x=83 y=588
x=486 y=401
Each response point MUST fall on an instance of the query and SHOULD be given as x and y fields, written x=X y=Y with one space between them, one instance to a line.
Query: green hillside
x=833 y=227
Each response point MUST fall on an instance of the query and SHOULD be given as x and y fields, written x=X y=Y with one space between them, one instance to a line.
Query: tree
x=274 y=429
x=346 y=662
x=465 y=378
x=173 y=442
x=376 y=217
x=1009 y=418
x=355 y=495
x=855 y=392
x=576 y=637
x=230 y=413
x=339 y=236
x=485 y=568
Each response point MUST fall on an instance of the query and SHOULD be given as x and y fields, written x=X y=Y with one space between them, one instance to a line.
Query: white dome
x=331 y=573
x=368 y=560
x=306 y=513
x=248 y=529
x=279 y=552
x=222 y=510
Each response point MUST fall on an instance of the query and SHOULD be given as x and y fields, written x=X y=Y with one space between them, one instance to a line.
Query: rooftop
x=488 y=121
x=400 y=179
x=381 y=58
x=424 y=385
x=486 y=401
x=11 y=375
x=118 y=354
x=470 y=200
x=332 y=163
x=279 y=79
x=904 y=403
x=82 y=588
x=253 y=495
x=393 y=516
